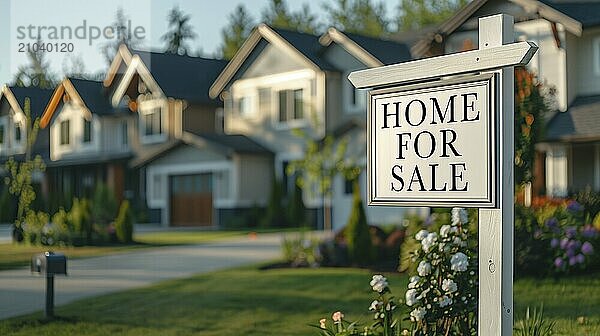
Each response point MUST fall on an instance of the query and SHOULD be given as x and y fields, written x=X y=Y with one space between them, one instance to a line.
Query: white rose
x=424 y=268
x=445 y=301
x=448 y=285
x=418 y=314
x=421 y=235
x=459 y=216
x=459 y=262
x=428 y=241
x=411 y=297
x=445 y=230
x=379 y=283
x=374 y=305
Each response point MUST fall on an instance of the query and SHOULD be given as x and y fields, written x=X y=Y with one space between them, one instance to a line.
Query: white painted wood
x=492 y=57
x=496 y=226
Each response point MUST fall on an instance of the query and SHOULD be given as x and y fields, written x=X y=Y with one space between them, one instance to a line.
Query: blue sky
x=207 y=16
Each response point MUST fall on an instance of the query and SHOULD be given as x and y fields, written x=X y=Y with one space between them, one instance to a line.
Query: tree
x=323 y=160
x=359 y=16
x=278 y=15
x=415 y=14
x=37 y=73
x=530 y=107
x=181 y=32
x=358 y=237
x=124 y=223
x=239 y=28
x=20 y=174
x=122 y=36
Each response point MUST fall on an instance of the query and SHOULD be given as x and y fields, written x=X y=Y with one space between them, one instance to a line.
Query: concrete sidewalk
x=23 y=293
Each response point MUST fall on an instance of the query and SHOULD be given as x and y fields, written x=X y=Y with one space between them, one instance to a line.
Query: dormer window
x=152 y=121
x=87 y=131
x=2 y=132
x=65 y=136
x=18 y=134
x=291 y=105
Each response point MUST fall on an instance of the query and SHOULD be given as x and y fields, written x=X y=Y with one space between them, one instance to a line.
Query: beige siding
x=273 y=60
x=255 y=178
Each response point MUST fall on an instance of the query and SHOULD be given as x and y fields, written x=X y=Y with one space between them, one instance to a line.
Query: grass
x=247 y=301
x=18 y=255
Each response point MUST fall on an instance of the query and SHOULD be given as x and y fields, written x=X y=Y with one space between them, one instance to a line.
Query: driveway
x=23 y=293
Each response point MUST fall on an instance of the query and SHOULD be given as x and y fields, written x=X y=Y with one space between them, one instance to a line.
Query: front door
x=191 y=200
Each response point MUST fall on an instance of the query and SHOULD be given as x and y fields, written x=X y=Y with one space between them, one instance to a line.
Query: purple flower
x=572 y=261
x=552 y=222
x=563 y=243
x=559 y=262
x=554 y=243
x=587 y=248
x=571 y=231
x=589 y=232
x=570 y=252
x=573 y=206
x=580 y=259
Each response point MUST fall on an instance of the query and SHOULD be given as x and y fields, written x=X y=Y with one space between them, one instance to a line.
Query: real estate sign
x=433 y=144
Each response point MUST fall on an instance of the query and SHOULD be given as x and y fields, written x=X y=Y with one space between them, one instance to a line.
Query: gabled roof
x=88 y=93
x=226 y=144
x=183 y=77
x=38 y=98
x=580 y=122
x=573 y=14
x=371 y=51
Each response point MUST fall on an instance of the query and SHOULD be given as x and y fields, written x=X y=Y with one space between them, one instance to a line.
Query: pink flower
x=322 y=323
x=337 y=317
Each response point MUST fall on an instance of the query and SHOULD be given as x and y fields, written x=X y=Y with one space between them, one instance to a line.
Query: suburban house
x=568 y=35
x=14 y=134
x=189 y=172
x=282 y=80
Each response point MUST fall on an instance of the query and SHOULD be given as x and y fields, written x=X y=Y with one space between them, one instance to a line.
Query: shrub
x=358 y=237
x=124 y=223
x=104 y=206
x=534 y=325
x=33 y=228
x=81 y=219
x=275 y=214
x=301 y=251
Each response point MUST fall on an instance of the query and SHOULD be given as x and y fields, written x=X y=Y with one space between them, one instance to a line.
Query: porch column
x=557 y=172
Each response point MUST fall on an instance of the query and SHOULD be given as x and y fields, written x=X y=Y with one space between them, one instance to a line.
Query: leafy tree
x=235 y=33
x=363 y=17
x=360 y=247
x=109 y=49
x=19 y=177
x=530 y=107
x=278 y=15
x=323 y=160
x=415 y=14
x=37 y=73
x=181 y=32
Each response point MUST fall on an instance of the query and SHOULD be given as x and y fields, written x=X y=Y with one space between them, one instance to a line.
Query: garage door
x=191 y=200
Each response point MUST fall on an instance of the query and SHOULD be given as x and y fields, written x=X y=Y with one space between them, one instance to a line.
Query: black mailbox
x=49 y=263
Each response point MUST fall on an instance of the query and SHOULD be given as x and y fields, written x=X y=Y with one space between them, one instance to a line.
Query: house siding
x=588 y=80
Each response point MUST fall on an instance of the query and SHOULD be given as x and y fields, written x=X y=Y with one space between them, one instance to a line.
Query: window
x=18 y=134
x=596 y=46
x=348 y=186
x=245 y=106
x=152 y=122
x=264 y=101
x=64 y=132
x=291 y=105
x=87 y=131
x=1 y=134
x=124 y=133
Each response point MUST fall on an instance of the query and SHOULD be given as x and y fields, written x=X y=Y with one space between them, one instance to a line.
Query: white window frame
x=84 y=143
x=596 y=52
x=69 y=133
x=306 y=105
x=148 y=107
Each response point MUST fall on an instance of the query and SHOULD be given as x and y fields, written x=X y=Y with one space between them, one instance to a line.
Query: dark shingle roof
x=586 y=12
x=236 y=142
x=93 y=95
x=388 y=52
x=581 y=121
x=183 y=77
x=308 y=45
x=38 y=98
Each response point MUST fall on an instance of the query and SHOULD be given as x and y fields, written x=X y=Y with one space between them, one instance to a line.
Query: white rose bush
x=442 y=295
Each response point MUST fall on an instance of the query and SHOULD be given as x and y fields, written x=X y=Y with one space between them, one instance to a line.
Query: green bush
x=360 y=248
x=275 y=215
x=301 y=251
x=124 y=223
x=104 y=206
x=34 y=228
x=80 y=218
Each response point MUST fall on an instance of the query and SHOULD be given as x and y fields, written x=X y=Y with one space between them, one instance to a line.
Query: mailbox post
x=49 y=264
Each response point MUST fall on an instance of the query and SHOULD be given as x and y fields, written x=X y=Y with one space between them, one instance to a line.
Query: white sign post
x=440 y=133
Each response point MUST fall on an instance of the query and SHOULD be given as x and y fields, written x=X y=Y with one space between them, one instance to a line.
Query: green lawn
x=17 y=255
x=246 y=301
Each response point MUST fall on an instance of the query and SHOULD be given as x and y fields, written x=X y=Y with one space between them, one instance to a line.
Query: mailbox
x=49 y=263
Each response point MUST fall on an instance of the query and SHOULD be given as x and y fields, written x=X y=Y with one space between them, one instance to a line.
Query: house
x=281 y=80
x=14 y=133
x=568 y=35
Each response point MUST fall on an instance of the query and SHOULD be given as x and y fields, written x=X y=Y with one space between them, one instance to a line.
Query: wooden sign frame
x=498 y=54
